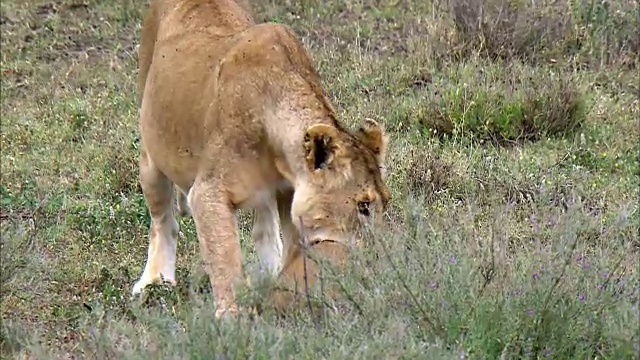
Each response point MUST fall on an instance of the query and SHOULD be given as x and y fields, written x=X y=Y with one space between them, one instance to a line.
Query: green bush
x=501 y=104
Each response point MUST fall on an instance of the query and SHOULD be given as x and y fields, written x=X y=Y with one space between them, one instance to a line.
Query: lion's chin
x=309 y=273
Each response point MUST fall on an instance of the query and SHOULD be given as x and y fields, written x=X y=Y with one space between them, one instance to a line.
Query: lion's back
x=186 y=21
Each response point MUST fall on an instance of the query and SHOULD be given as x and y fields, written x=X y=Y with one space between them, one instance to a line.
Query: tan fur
x=233 y=114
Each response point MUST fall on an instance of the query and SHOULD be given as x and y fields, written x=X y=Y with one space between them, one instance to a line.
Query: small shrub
x=502 y=105
x=505 y=29
x=590 y=32
x=428 y=175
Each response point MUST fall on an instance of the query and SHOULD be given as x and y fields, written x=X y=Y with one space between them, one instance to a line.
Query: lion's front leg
x=290 y=235
x=163 y=234
x=217 y=230
x=266 y=235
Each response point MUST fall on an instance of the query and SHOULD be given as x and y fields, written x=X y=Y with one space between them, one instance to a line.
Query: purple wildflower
x=434 y=284
x=605 y=274
x=600 y=287
x=534 y=223
x=622 y=218
x=547 y=352
x=452 y=260
x=581 y=297
x=530 y=312
x=535 y=275
x=585 y=266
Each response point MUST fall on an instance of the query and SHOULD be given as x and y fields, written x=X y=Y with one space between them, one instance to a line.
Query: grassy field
x=513 y=167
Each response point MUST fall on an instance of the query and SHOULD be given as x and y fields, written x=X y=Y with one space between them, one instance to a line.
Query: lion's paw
x=227 y=312
x=144 y=281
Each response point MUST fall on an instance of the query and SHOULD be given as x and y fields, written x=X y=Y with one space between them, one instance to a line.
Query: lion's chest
x=252 y=189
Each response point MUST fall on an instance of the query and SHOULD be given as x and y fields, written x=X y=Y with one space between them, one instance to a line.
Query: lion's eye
x=363 y=208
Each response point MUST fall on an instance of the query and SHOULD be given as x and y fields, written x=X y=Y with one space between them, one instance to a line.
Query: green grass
x=513 y=166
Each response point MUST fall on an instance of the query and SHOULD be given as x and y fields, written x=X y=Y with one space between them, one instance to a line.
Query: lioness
x=233 y=114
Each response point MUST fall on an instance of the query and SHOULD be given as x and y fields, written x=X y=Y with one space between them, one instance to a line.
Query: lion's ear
x=321 y=143
x=373 y=136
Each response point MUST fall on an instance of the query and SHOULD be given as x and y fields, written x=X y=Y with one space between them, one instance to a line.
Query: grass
x=513 y=167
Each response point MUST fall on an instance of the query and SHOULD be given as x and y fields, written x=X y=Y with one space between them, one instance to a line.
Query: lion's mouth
x=322 y=235
x=317 y=241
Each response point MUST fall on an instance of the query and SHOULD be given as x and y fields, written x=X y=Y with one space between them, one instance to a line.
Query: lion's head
x=344 y=187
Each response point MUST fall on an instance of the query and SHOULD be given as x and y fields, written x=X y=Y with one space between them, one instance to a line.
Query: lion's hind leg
x=163 y=233
x=182 y=203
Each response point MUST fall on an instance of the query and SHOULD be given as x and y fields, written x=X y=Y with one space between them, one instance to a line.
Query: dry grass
x=586 y=32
